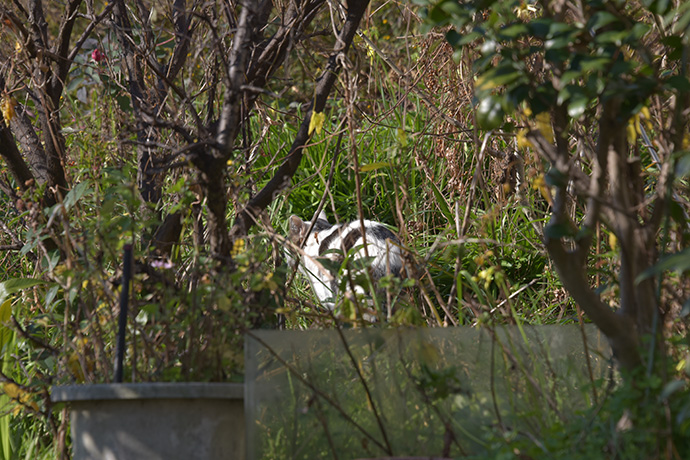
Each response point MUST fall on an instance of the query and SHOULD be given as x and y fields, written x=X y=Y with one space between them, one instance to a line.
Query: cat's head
x=297 y=232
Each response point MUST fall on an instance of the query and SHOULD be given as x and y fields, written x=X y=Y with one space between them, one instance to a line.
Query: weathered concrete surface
x=155 y=420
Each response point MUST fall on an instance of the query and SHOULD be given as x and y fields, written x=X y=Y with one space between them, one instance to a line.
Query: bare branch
x=61 y=48
x=281 y=178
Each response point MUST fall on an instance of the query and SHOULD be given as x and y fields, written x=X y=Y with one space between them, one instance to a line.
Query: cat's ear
x=297 y=229
x=322 y=216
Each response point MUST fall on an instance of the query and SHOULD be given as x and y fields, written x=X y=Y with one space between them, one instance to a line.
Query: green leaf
x=555 y=178
x=540 y=27
x=490 y=112
x=470 y=37
x=660 y=7
x=678 y=262
x=74 y=195
x=5 y=311
x=374 y=166
x=15 y=285
x=679 y=82
x=5 y=331
x=560 y=28
x=600 y=19
x=452 y=8
x=5 y=431
x=577 y=106
x=504 y=74
x=594 y=64
x=454 y=38
x=638 y=31
x=441 y=201
x=558 y=231
x=558 y=43
x=672 y=387
x=124 y=103
x=674 y=46
x=557 y=55
x=514 y=31
x=612 y=37
x=683 y=164
x=438 y=16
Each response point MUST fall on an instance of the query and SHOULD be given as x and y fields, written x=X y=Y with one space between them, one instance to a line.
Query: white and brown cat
x=335 y=242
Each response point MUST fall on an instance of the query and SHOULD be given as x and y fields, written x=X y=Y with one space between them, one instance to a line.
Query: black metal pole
x=122 y=323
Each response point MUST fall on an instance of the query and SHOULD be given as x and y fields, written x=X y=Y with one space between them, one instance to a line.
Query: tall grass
x=416 y=148
x=401 y=139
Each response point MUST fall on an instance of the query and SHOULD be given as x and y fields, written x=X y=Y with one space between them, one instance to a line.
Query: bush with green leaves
x=599 y=91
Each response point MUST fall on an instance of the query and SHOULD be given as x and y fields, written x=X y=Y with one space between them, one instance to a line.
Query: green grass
x=417 y=174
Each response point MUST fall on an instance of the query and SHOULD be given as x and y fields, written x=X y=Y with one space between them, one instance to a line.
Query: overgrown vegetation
x=527 y=154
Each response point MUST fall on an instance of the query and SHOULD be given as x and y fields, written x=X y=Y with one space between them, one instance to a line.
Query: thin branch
x=281 y=178
x=300 y=376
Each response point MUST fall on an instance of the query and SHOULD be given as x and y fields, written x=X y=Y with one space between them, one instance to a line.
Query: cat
x=334 y=242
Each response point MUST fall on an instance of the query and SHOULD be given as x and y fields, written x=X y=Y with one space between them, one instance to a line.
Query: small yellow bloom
x=484 y=84
x=522 y=141
x=19 y=396
x=544 y=125
x=523 y=10
x=74 y=367
x=540 y=184
x=237 y=247
x=8 y=104
x=316 y=122
x=632 y=129
x=613 y=241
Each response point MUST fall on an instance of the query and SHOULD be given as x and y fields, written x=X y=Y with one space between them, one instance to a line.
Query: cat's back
x=347 y=236
x=335 y=241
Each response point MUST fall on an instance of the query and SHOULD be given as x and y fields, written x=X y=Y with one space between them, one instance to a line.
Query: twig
x=283 y=175
x=370 y=399
x=299 y=376
x=475 y=181
x=32 y=338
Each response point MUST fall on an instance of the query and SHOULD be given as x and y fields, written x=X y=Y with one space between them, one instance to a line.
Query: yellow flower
x=8 y=104
x=237 y=247
x=18 y=395
x=74 y=367
x=540 y=184
x=316 y=122
x=613 y=241
x=633 y=129
x=544 y=125
x=522 y=141
x=485 y=84
x=523 y=10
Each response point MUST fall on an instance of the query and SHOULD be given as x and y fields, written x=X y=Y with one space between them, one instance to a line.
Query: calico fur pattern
x=331 y=241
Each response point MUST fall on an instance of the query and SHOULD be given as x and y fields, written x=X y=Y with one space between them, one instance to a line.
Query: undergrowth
x=469 y=224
